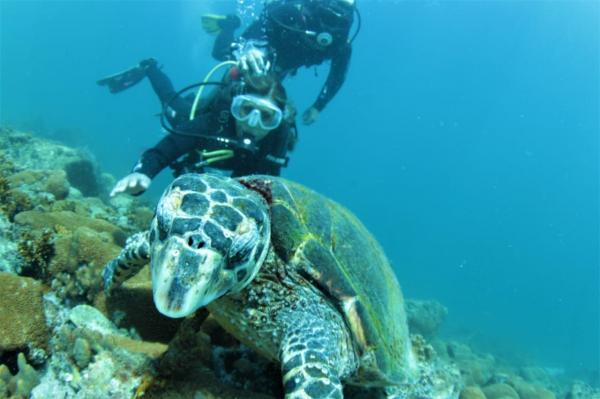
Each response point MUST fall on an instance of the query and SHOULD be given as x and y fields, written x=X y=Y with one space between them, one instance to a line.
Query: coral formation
x=67 y=221
x=21 y=313
x=499 y=391
x=18 y=386
x=475 y=369
x=472 y=392
x=580 y=390
x=57 y=185
x=36 y=248
x=12 y=201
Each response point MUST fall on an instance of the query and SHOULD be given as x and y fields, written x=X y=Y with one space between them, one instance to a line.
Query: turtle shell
x=325 y=243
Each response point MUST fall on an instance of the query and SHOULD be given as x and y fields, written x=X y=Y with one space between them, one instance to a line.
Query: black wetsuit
x=213 y=121
x=293 y=50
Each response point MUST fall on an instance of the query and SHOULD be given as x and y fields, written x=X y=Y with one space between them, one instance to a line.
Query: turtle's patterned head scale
x=209 y=237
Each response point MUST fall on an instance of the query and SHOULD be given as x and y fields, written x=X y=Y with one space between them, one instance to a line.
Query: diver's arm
x=164 y=153
x=336 y=77
x=160 y=83
x=225 y=43
x=222 y=47
x=163 y=87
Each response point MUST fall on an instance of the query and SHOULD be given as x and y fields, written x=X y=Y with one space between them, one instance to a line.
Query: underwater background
x=465 y=137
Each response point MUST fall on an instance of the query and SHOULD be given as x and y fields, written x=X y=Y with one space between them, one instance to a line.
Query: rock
x=84 y=176
x=475 y=369
x=133 y=305
x=99 y=329
x=472 y=392
x=10 y=261
x=500 y=391
x=21 y=313
x=536 y=375
x=152 y=350
x=459 y=351
x=82 y=352
x=90 y=318
x=425 y=317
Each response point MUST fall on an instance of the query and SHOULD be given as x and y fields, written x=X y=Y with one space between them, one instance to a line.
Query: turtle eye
x=195 y=241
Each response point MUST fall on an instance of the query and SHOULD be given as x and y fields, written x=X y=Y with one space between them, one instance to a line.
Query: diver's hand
x=310 y=116
x=253 y=60
x=134 y=183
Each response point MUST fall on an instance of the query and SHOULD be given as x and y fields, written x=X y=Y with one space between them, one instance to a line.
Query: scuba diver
x=244 y=126
x=290 y=34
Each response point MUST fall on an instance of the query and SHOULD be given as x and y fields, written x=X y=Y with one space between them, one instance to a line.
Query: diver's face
x=256 y=115
x=255 y=131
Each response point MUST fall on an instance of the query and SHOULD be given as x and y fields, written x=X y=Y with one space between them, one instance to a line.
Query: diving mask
x=256 y=111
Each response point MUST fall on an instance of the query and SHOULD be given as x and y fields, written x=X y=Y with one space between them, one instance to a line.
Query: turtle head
x=209 y=237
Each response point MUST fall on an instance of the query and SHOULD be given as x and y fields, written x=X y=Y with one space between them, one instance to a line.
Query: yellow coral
x=36 y=249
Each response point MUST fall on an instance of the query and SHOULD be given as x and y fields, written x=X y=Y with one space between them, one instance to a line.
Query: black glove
x=231 y=22
x=148 y=63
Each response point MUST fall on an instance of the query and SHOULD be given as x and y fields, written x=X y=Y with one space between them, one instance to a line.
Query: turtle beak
x=185 y=279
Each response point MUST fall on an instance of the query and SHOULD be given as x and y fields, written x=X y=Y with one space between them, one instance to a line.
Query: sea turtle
x=290 y=273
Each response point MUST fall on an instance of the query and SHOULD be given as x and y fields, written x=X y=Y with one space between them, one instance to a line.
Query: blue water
x=465 y=137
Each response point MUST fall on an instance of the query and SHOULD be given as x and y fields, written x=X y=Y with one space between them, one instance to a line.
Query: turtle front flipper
x=131 y=260
x=315 y=354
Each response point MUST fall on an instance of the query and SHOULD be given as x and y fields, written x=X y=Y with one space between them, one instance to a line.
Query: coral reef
x=55 y=237
x=91 y=357
x=580 y=390
x=29 y=152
